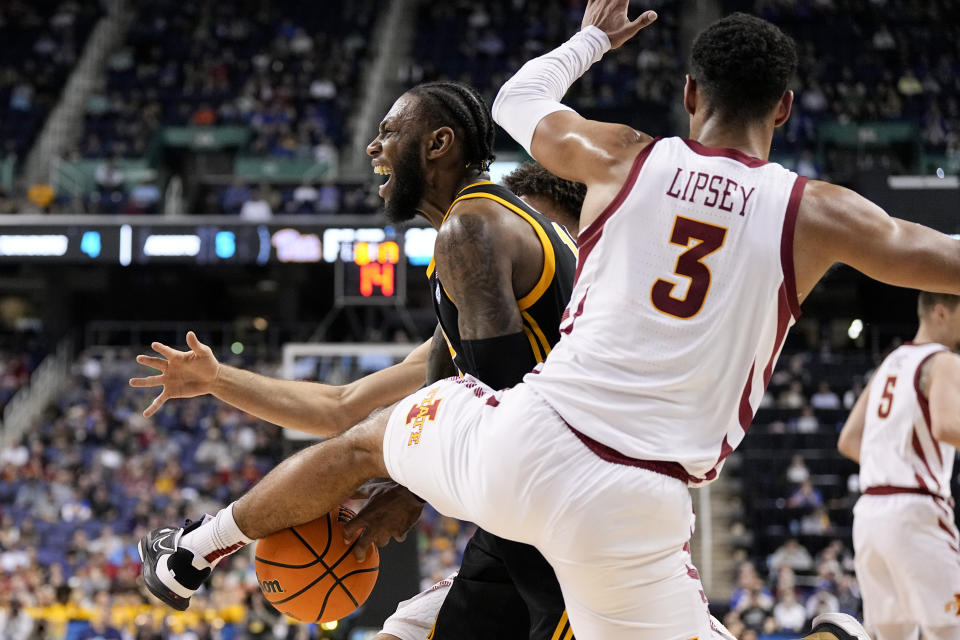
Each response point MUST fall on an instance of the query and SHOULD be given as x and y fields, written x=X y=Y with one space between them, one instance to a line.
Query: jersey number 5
x=886 y=400
x=708 y=238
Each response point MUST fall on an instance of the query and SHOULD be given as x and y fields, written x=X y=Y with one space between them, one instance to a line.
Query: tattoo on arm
x=477 y=273
x=439 y=363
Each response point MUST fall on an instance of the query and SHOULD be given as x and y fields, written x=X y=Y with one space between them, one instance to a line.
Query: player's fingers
x=163 y=349
x=155 y=405
x=353 y=527
x=149 y=381
x=194 y=342
x=159 y=364
x=362 y=547
x=645 y=20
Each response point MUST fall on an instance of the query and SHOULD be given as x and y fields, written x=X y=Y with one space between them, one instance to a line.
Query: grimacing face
x=395 y=153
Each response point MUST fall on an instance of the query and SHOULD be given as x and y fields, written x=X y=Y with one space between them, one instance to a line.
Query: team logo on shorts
x=954 y=605
x=426 y=411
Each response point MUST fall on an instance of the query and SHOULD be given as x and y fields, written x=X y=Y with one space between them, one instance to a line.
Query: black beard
x=408 y=188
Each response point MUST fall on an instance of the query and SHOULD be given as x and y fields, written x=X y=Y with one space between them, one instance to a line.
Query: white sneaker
x=841 y=625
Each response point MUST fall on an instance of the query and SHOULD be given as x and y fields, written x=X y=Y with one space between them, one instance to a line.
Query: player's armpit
x=944 y=396
x=835 y=224
x=439 y=361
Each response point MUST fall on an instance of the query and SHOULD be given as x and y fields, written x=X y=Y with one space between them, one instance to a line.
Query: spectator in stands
x=15 y=622
x=806 y=496
x=825 y=398
x=305 y=198
x=747 y=582
x=101 y=628
x=258 y=206
x=235 y=196
x=807 y=166
x=797 y=472
x=329 y=201
x=109 y=195
x=821 y=601
x=325 y=153
x=792 y=397
x=850 y=395
x=848 y=595
x=205 y=116
x=815 y=523
x=807 y=421
x=144 y=198
x=789 y=614
x=791 y=554
x=734 y=624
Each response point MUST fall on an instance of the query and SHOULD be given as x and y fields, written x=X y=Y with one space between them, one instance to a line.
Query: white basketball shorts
x=907 y=561
x=414 y=618
x=614 y=533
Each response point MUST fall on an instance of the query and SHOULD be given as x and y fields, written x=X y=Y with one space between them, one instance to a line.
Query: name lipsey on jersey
x=710 y=190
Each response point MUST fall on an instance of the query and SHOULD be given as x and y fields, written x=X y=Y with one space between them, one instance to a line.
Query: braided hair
x=462 y=108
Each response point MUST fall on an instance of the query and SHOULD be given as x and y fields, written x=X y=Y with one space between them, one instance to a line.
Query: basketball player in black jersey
x=501 y=278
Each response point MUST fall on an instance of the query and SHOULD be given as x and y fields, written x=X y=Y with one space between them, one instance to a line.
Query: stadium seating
x=40 y=42
x=484 y=43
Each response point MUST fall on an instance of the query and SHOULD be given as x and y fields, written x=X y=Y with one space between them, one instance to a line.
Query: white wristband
x=535 y=91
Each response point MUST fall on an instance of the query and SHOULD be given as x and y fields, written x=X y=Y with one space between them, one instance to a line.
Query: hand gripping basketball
x=309 y=573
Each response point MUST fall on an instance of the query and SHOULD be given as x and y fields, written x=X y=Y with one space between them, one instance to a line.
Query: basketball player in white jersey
x=904 y=431
x=695 y=255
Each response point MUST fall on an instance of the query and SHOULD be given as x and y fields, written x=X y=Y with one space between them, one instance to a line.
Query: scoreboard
x=370 y=260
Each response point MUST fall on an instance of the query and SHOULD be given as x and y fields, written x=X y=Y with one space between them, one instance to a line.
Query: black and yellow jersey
x=542 y=307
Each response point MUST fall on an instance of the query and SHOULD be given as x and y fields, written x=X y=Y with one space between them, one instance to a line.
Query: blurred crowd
x=94 y=476
x=40 y=42
x=20 y=354
x=286 y=70
x=288 y=75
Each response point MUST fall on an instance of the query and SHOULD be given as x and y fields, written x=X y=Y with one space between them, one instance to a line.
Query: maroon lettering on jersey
x=674 y=183
x=714 y=190
x=726 y=194
x=746 y=197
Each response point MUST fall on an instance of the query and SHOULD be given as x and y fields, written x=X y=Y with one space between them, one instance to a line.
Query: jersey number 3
x=707 y=239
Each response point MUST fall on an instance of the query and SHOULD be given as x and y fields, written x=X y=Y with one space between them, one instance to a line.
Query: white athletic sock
x=215 y=539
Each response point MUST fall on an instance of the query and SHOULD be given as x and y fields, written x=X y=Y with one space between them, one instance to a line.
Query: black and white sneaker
x=168 y=571
x=841 y=625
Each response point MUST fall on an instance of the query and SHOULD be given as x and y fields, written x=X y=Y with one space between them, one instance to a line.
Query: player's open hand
x=390 y=513
x=183 y=374
x=610 y=16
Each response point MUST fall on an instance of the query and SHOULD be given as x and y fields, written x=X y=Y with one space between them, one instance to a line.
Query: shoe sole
x=847 y=624
x=156 y=587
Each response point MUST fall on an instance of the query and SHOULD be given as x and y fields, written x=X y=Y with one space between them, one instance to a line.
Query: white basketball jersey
x=898 y=448
x=684 y=294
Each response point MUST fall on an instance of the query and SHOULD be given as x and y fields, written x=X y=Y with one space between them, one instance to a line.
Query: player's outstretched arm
x=311 y=407
x=838 y=225
x=944 y=396
x=852 y=433
x=568 y=145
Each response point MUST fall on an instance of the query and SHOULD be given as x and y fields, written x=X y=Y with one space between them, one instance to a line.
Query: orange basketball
x=308 y=573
